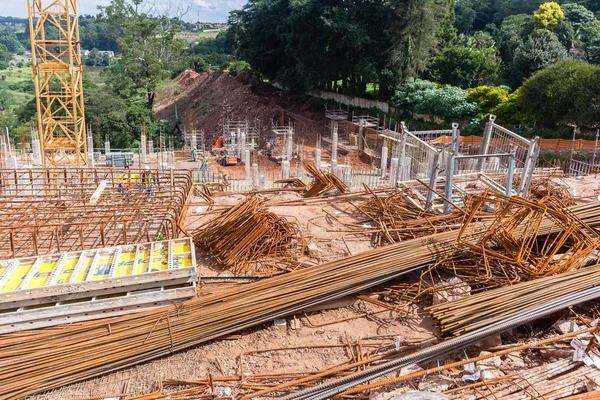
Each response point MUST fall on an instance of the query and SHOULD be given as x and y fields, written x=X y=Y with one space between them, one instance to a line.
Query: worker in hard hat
x=204 y=169
x=195 y=155
x=148 y=180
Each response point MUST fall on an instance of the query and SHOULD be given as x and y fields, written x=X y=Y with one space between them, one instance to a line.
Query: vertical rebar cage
x=58 y=80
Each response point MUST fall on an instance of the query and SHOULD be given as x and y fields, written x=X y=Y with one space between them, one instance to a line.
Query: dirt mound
x=208 y=99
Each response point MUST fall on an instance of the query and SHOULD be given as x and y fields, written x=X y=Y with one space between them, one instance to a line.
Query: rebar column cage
x=44 y=211
x=58 y=81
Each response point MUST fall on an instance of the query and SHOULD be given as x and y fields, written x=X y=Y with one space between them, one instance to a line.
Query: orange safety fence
x=546 y=144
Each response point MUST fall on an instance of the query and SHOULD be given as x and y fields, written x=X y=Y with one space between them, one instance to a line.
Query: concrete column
x=193 y=144
x=242 y=145
x=261 y=180
x=318 y=158
x=285 y=169
x=150 y=146
x=143 y=149
x=107 y=147
x=254 y=174
x=384 y=158
x=11 y=162
x=334 y=167
x=90 y=152
x=37 y=153
x=247 y=163
x=290 y=146
x=405 y=169
x=393 y=171
x=334 y=143
x=171 y=159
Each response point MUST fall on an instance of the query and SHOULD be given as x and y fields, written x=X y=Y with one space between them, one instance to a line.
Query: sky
x=202 y=10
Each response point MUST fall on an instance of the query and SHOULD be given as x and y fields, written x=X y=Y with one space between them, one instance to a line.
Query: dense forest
x=530 y=62
x=454 y=60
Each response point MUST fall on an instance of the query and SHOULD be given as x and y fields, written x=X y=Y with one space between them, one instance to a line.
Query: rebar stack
x=399 y=217
x=473 y=312
x=323 y=182
x=514 y=236
x=246 y=233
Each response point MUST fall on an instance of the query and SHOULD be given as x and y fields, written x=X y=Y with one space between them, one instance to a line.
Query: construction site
x=288 y=250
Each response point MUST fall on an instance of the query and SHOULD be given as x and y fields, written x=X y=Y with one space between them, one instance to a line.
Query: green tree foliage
x=424 y=97
x=512 y=32
x=548 y=16
x=148 y=49
x=4 y=57
x=509 y=111
x=340 y=45
x=487 y=97
x=239 y=67
x=9 y=39
x=566 y=92
x=540 y=50
x=472 y=61
x=5 y=100
x=578 y=15
x=93 y=58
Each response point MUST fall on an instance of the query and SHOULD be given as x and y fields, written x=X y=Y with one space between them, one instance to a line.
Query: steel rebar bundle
x=246 y=233
x=323 y=182
x=482 y=309
x=399 y=217
x=41 y=360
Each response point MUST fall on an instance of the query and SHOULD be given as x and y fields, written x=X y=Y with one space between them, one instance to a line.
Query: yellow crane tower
x=58 y=77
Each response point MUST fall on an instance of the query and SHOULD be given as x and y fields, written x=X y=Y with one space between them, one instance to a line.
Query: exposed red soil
x=207 y=99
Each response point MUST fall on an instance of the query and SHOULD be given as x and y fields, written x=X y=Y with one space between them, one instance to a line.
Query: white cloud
x=205 y=10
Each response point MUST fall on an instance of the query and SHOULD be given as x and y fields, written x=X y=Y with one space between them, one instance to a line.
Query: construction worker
x=204 y=169
x=226 y=178
x=195 y=155
x=127 y=163
x=148 y=180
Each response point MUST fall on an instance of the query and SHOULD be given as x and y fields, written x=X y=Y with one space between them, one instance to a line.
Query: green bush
x=424 y=97
x=509 y=111
x=487 y=97
x=564 y=93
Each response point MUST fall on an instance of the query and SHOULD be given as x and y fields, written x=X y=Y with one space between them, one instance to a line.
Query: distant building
x=111 y=54
x=199 y=26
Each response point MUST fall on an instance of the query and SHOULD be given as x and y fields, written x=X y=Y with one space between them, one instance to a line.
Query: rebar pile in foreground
x=483 y=309
x=36 y=361
x=247 y=233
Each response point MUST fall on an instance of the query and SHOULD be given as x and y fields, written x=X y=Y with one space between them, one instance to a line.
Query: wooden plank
x=82 y=290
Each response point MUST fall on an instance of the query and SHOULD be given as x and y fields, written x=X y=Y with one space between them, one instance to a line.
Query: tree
x=238 y=67
x=93 y=58
x=9 y=39
x=540 y=50
x=548 y=16
x=578 y=15
x=487 y=97
x=4 y=57
x=148 y=48
x=473 y=61
x=564 y=93
x=424 y=97
x=513 y=31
